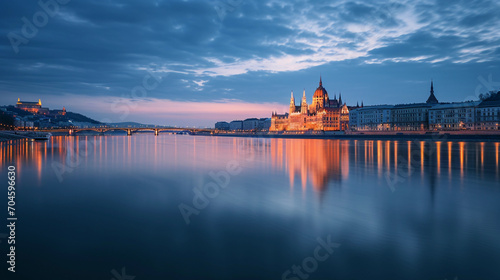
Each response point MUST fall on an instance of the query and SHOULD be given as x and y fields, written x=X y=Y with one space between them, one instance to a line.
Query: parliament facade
x=323 y=114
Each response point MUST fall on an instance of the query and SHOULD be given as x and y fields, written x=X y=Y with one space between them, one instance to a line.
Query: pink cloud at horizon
x=162 y=111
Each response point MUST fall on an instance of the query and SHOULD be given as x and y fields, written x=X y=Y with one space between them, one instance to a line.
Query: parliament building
x=323 y=114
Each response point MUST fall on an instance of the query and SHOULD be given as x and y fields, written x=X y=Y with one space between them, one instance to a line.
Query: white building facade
x=453 y=116
x=371 y=118
x=236 y=125
x=488 y=114
x=250 y=124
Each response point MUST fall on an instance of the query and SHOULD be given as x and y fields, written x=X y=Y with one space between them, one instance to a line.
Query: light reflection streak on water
x=462 y=156
x=317 y=162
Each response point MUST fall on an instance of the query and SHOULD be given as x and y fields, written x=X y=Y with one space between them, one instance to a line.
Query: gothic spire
x=303 y=104
x=320 y=82
x=432 y=98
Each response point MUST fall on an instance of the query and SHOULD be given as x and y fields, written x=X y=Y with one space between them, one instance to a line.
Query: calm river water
x=193 y=207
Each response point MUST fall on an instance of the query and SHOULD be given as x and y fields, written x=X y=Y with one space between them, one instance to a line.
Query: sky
x=192 y=63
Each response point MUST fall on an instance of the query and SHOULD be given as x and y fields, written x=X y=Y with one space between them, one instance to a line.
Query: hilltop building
x=32 y=107
x=36 y=108
x=58 y=112
x=322 y=114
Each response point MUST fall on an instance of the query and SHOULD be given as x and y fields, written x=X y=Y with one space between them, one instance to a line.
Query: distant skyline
x=225 y=60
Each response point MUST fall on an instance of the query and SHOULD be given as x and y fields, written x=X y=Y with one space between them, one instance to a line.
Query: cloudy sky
x=191 y=63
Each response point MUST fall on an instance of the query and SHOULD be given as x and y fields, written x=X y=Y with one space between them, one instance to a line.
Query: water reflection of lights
x=449 y=157
x=438 y=153
x=395 y=155
x=320 y=162
x=317 y=162
x=496 y=152
x=422 y=147
x=462 y=158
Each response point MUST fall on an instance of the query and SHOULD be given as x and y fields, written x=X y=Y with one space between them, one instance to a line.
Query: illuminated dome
x=320 y=91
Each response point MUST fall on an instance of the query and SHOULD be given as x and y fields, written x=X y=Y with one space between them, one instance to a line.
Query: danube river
x=194 y=207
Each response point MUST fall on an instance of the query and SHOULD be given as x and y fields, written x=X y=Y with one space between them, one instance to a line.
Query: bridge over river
x=131 y=130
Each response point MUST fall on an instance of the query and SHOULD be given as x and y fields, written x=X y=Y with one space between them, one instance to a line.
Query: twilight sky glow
x=204 y=61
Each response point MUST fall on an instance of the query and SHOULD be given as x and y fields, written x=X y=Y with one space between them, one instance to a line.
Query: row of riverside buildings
x=325 y=114
x=429 y=116
x=333 y=115
x=251 y=124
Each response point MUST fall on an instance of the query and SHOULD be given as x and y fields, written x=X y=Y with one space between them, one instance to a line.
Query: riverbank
x=408 y=136
x=7 y=135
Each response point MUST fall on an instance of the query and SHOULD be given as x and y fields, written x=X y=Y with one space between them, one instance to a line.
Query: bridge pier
x=156 y=132
x=70 y=132
x=129 y=132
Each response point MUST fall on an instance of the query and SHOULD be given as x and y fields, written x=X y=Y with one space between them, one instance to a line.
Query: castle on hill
x=36 y=108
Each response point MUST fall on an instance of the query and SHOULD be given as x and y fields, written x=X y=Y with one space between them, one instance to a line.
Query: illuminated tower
x=320 y=97
x=292 y=104
x=303 y=105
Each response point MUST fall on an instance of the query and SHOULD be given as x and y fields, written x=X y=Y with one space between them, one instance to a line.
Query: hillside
x=75 y=117
x=78 y=118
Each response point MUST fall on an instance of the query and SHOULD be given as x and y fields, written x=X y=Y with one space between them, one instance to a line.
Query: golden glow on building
x=323 y=114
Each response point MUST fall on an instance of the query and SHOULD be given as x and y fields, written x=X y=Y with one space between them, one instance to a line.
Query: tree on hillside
x=491 y=95
x=6 y=120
